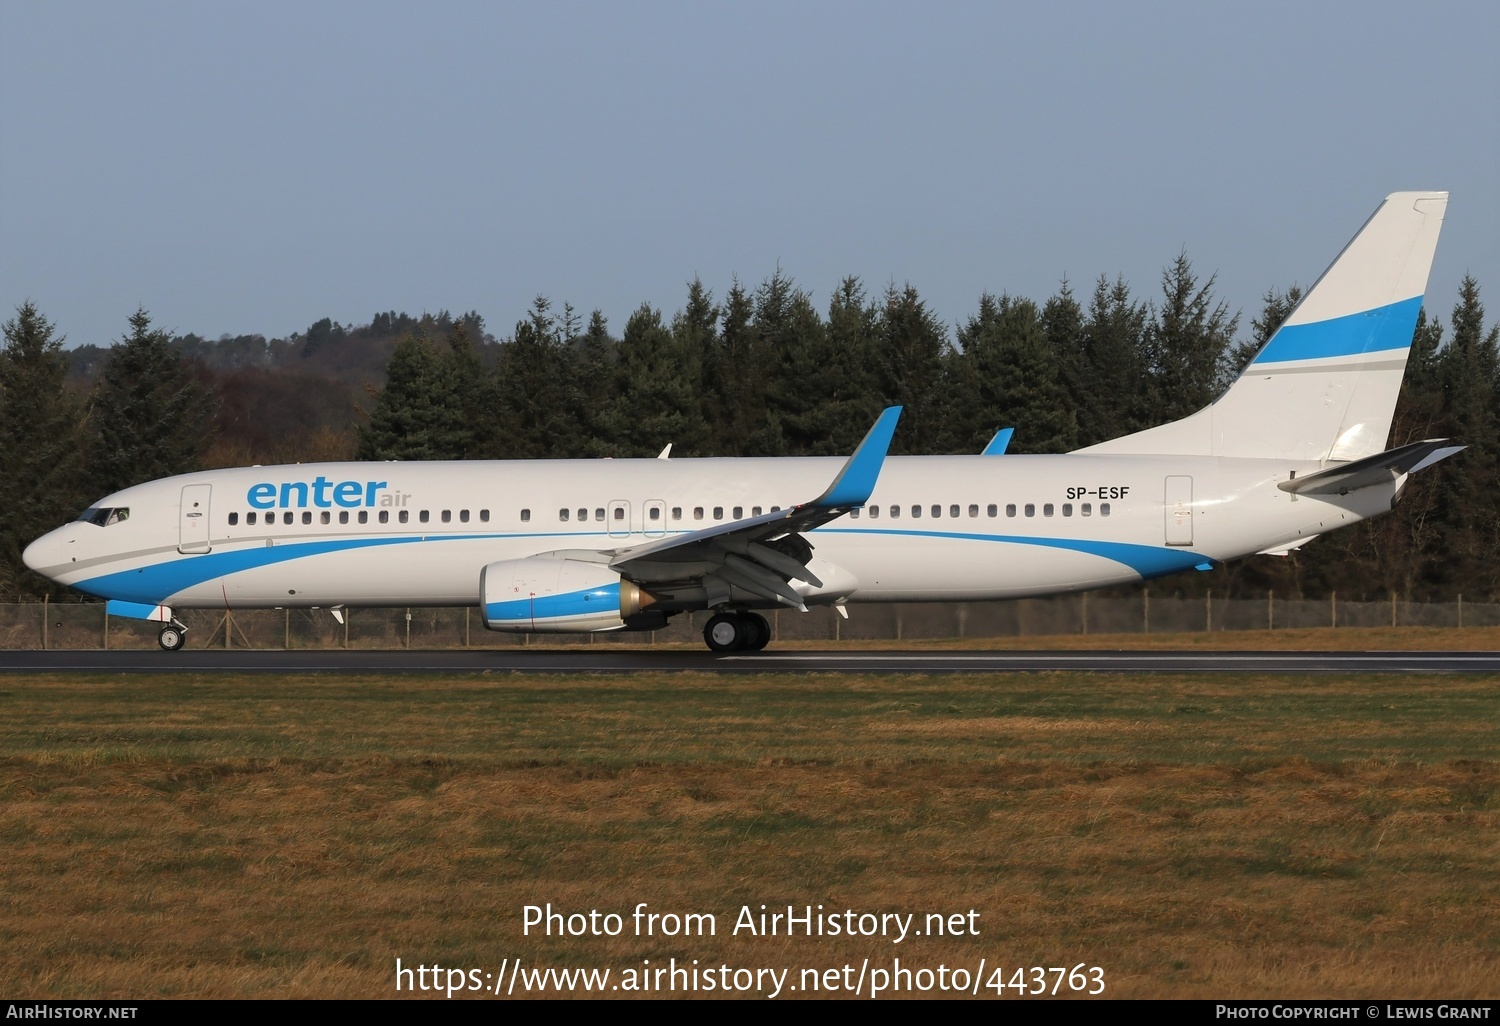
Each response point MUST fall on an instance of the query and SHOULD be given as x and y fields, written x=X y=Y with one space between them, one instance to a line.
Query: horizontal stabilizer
x=1382 y=468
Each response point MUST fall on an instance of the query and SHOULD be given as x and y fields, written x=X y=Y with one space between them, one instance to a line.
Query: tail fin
x=1324 y=386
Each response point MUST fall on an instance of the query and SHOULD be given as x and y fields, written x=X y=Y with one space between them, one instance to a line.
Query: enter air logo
x=323 y=494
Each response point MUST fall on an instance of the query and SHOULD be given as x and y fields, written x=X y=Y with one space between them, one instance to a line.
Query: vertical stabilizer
x=1324 y=386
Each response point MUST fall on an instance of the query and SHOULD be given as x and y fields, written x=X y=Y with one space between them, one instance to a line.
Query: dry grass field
x=1214 y=836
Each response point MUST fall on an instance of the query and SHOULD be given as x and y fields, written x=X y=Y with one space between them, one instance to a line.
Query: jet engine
x=549 y=594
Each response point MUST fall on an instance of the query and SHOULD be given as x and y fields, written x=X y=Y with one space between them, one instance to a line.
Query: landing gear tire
x=737 y=632
x=758 y=633
x=725 y=633
x=171 y=637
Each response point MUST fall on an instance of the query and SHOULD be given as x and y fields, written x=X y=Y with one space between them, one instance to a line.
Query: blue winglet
x=999 y=443
x=857 y=480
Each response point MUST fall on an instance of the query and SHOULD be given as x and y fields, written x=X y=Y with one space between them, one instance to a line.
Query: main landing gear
x=172 y=637
x=737 y=632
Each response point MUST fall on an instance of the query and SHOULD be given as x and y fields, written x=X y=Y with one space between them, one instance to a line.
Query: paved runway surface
x=566 y=660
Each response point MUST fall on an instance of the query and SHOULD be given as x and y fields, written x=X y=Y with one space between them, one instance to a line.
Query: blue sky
x=255 y=167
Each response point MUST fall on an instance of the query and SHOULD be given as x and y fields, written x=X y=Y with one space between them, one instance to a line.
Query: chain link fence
x=87 y=626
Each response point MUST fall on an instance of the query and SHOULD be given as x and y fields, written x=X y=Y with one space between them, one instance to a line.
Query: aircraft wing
x=1382 y=468
x=762 y=554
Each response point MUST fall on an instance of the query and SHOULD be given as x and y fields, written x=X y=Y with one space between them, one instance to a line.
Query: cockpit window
x=104 y=516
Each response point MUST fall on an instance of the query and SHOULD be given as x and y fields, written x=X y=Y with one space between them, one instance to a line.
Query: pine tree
x=419 y=413
x=1189 y=339
x=1006 y=372
x=1113 y=376
x=653 y=397
x=41 y=424
x=150 y=415
x=911 y=345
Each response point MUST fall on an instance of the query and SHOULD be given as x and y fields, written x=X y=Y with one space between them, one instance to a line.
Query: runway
x=568 y=660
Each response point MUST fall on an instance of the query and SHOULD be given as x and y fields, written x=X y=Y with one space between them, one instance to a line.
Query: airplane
x=1294 y=448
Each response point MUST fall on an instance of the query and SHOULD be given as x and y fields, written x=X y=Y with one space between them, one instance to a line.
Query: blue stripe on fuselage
x=1371 y=331
x=156 y=583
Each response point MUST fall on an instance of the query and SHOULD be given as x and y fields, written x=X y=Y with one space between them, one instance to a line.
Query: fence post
x=348 y=615
x=286 y=629
x=1270 y=610
x=1460 y=609
x=1085 y=612
x=1145 y=610
x=1208 y=611
x=1333 y=607
x=408 y=627
x=466 y=629
x=44 y=623
x=106 y=628
x=1393 y=609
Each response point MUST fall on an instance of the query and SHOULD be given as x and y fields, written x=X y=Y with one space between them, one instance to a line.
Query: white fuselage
x=935 y=528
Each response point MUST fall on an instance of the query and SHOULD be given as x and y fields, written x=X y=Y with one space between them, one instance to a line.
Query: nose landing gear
x=737 y=632
x=172 y=637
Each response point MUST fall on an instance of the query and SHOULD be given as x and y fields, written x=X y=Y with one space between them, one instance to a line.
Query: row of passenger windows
x=654 y=513
x=403 y=516
x=992 y=510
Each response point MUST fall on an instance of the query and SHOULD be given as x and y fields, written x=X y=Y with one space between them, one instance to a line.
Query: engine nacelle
x=547 y=594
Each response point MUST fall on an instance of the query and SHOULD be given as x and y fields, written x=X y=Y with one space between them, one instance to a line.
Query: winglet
x=999 y=443
x=856 y=481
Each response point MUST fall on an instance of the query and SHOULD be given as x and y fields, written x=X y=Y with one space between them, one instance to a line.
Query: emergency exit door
x=192 y=521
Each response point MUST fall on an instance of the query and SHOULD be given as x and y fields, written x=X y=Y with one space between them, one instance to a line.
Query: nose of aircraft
x=45 y=552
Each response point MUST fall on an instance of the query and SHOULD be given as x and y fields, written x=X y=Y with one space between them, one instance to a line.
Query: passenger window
x=1010 y=509
x=325 y=517
x=916 y=511
x=234 y=518
x=619 y=512
x=286 y=518
x=364 y=516
x=1087 y=509
x=583 y=515
x=953 y=511
x=562 y=515
x=343 y=516
x=755 y=511
x=385 y=516
x=937 y=510
x=403 y=516
x=718 y=512
x=424 y=516
x=249 y=519
x=1047 y=510
x=655 y=513
x=974 y=510
x=1104 y=509
x=895 y=512
x=1031 y=509
x=854 y=513
x=739 y=512
x=447 y=516
x=697 y=512
x=307 y=517
x=874 y=512
x=993 y=510
x=775 y=509
x=484 y=516
x=599 y=513
x=463 y=516
x=1067 y=509
x=676 y=512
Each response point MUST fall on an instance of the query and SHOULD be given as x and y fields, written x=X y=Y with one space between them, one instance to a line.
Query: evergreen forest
x=762 y=371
